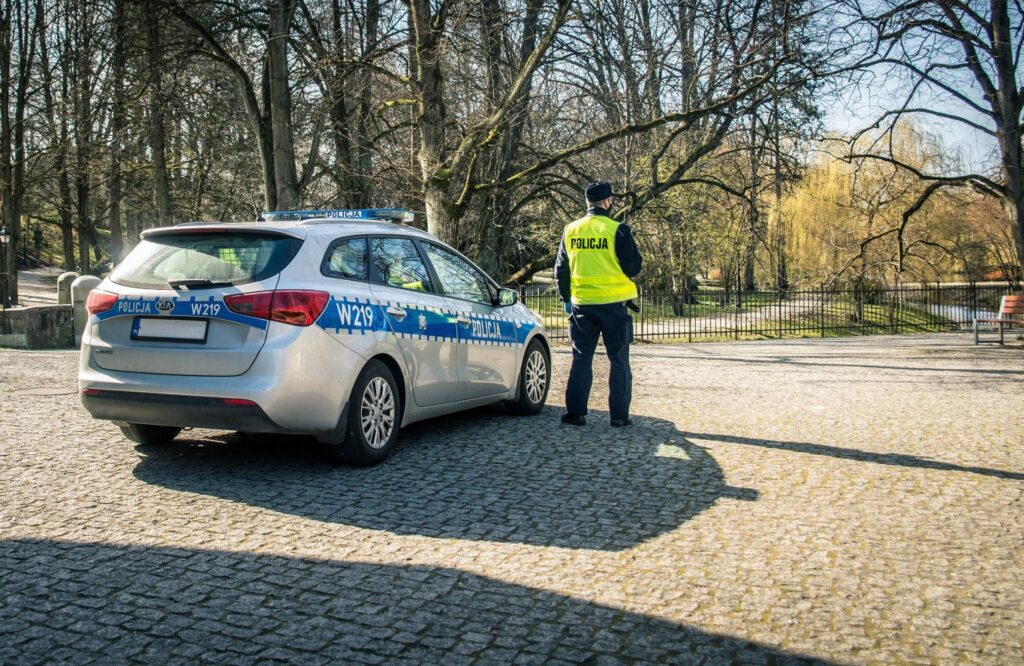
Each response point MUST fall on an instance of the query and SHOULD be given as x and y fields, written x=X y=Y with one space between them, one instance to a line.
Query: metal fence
x=716 y=314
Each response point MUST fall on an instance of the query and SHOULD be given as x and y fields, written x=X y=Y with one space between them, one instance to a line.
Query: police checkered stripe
x=420 y=309
x=438 y=338
x=148 y=306
x=452 y=312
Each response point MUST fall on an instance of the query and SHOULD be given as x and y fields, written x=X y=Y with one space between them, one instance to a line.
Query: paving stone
x=817 y=501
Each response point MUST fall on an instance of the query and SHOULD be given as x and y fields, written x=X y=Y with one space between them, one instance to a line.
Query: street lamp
x=5 y=238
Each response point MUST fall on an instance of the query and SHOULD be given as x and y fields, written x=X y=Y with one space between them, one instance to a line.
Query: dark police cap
x=599 y=191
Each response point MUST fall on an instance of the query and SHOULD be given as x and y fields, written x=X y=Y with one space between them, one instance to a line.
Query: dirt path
x=38 y=286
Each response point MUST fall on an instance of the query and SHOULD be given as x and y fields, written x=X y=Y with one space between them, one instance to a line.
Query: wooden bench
x=1011 y=313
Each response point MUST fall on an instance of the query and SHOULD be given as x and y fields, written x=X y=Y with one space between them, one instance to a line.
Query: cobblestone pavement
x=849 y=501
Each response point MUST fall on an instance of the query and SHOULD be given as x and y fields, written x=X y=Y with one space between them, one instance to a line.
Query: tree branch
x=966 y=179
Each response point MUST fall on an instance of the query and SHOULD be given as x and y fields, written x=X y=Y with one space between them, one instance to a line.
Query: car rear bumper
x=299 y=383
x=177 y=410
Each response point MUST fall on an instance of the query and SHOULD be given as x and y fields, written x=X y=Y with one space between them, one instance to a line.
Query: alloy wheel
x=377 y=412
x=536 y=376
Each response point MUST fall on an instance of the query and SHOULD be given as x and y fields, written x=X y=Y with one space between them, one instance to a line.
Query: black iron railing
x=717 y=314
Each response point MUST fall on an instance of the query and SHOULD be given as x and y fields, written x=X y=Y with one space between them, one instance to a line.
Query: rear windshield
x=196 y=260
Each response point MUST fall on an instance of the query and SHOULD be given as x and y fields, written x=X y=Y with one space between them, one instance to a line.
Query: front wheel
x=374 y=415
x=534 y=381
x=149 y=435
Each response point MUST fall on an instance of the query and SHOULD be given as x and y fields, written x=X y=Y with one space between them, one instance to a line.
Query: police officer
x=596 y=259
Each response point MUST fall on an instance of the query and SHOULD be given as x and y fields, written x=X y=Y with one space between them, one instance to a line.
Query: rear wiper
x=192 y=284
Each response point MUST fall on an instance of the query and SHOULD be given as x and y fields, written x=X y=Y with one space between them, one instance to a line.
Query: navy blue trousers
x=586 y=324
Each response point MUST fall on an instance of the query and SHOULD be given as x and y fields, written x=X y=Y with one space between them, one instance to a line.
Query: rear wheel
x=374 y=414
x=534 y=381
x=149 y=434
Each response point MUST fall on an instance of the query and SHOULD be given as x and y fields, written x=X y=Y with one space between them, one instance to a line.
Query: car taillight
x=299 y=308
x=288 y=306
x=256 y=304
x=99 y=301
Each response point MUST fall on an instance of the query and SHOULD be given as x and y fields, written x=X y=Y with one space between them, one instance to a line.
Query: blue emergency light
x=389 y=214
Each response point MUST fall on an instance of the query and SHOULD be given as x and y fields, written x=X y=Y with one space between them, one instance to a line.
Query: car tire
x=150 y=435
x=534 y=381
x=374 y=418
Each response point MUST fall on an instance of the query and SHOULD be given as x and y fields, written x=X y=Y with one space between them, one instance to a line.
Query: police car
x=345 y=325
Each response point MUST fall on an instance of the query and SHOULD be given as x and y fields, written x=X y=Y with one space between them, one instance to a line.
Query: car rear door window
x=347 y=258
x=397 y=263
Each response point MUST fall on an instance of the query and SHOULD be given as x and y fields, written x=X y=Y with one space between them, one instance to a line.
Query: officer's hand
x=568 y=308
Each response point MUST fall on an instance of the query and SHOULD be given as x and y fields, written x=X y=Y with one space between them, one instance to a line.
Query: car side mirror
x=507 y=297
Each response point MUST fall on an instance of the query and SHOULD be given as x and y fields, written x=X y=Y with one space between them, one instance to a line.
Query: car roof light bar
x=379 y=214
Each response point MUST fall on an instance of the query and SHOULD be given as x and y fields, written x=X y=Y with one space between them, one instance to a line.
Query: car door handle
x=396 y=312
x=463 y=320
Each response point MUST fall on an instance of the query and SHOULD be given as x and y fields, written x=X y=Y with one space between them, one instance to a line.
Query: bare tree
x=948 y=49
x=270 y=120
x=448 y=167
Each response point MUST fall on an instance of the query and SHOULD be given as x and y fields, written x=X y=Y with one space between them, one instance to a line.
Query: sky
x=977 y=151
x=861 y=106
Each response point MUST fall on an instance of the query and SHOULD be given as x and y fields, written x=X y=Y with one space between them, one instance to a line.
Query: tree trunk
x=286 y=179
x=1008 y=123
x=82 y=95
x=82 y=191
x=652 y=67
x=341 y=129
x=64 y=172
x=132 y=224
x=491 y=239
x=26 y=54
x=753 y=213
x=15 y=31
x=157 y=132
x=117 y=122
x=364 y=149
x=431 y=118
x=7 y=22
x=781 y=274
x=687 y=17
x=58 y=129
x=67 y=225
x=265 y=131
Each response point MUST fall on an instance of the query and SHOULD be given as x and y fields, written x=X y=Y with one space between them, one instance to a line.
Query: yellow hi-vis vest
x=595 y=275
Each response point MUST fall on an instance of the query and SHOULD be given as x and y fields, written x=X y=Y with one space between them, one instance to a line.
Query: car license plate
x=176 y=330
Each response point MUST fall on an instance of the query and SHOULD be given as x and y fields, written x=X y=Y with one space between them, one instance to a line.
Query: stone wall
x=37 y=327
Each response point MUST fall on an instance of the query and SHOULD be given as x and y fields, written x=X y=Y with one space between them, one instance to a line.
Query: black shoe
x=574 y=419
x=619 y=423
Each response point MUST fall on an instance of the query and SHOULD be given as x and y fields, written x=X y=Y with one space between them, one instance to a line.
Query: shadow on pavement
x=480 y=476
x=71 y=602
x=897 y=459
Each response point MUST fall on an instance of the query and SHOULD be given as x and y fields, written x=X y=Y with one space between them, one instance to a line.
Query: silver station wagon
x=344 y=325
